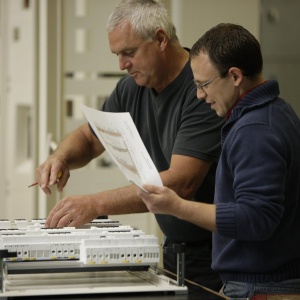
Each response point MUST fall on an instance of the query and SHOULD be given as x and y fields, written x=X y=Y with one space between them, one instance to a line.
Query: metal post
x=179 y=249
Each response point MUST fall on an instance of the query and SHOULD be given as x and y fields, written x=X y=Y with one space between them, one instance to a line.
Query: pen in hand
x=58 y=176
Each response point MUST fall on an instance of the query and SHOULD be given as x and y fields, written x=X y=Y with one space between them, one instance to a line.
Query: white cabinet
x=18 y=54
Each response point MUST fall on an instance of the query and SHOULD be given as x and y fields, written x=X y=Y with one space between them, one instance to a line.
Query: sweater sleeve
x=251 y=190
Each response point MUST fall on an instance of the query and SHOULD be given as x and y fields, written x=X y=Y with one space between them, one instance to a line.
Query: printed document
x=119 y=136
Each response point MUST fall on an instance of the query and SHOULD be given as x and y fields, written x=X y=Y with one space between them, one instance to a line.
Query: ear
x=161 y=38
x=237 y=75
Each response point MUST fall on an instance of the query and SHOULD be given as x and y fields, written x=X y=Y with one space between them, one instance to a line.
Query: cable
x=196 y=284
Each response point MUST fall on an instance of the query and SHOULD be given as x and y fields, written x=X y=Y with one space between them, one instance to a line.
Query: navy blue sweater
x=258 y=191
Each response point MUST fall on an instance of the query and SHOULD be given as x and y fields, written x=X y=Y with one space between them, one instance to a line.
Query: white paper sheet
x=119 y=136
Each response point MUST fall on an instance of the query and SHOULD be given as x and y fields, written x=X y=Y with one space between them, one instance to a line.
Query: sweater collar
x=259 y=95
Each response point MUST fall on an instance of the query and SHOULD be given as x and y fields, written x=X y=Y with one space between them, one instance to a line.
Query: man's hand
x=72 y=211
x=53 y=171
x=160 y=200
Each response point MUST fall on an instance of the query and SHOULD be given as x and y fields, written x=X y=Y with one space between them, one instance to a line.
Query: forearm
x=123 y=200
x=198 y=213
x=78 y=148
x=162 y=200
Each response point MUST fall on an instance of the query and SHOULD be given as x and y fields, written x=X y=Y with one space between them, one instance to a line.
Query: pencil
x=33 y=184
x=58 y=176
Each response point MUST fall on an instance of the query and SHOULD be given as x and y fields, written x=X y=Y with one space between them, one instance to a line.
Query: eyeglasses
x=200 y=87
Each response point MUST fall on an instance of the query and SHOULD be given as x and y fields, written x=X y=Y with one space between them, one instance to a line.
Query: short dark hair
x=230 y=45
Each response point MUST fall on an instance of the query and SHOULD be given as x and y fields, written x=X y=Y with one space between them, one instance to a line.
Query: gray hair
x=145 y=16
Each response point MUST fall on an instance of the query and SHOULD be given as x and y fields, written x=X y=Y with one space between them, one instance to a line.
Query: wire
x=196 y=284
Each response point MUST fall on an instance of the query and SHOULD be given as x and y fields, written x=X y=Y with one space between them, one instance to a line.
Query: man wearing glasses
x=255 y=216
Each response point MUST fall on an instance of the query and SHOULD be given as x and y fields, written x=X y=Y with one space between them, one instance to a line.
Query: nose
x=123 y=63
x=201 y=94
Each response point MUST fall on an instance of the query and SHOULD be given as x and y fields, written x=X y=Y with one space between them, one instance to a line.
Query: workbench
x=102 y=260
x=190 y=295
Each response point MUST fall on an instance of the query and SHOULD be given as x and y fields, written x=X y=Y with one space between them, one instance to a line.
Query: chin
x=220 y=113
x=140 y=82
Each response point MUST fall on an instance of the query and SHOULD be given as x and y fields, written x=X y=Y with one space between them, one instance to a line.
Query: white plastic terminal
x=97 y=244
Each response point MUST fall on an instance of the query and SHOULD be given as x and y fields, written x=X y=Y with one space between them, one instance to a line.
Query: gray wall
x=280 y=42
